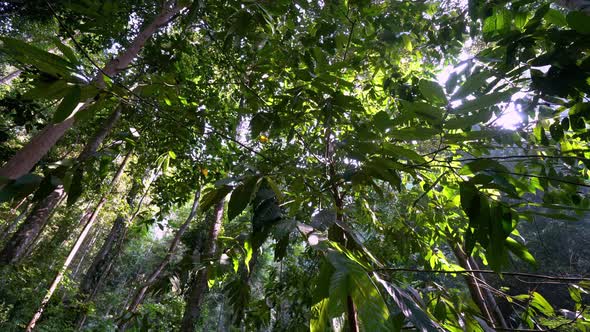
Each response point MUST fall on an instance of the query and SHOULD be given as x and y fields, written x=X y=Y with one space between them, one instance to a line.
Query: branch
x=429 y=189
x=521 y=157
x=520 y=274
x=524 y=175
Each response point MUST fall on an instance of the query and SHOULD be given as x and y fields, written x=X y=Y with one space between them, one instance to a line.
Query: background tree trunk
x=198 y=287
x=8 y=78
x=581 y=5
x=20 y=243
x=11 y=226
x=482 y=297
x=155 y=275
x=77 y=246
x=16 y=248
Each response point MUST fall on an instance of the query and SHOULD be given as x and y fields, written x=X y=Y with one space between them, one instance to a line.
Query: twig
x=520 y=274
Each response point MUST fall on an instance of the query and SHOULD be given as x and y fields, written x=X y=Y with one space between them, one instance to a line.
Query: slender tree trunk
x=8 y=78
x=22 y=241
x=198 y=287
x=16 y=248
x=335 y=232
x=101 y=265
x=85 y=249
x=33 y=244
x=29 y=155
x=581 y=5
x=112 y=246
x=103 y=259
x=155 y=275
x=484 y=300
x=77 y=245
x=9 y=228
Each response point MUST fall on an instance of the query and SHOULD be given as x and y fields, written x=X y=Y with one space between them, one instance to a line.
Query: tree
x=367 y=191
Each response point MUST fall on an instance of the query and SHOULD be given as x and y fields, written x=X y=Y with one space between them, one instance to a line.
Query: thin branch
x=524 y=175
x=520 y=157
x=429 y=189
x=239 y=143
x=520 y=274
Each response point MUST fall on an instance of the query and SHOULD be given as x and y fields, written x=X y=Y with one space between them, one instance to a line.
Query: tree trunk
x=335 y=232
x=104 y=259
x=85 y=249
x=25 y=236
x=198 y=287
x=102 y=265
x=155 y=275
x=8 y=78
x=581 y=5
x=484 y=300
x=16 y=248
x=9 y=228
x=29 y=155
x=77 y=245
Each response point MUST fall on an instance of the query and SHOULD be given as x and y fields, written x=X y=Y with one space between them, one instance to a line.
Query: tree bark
x=581 y=5
x=16 y=248
x=77 y=245
x=20 y=243
x=103 y=262
x=9 y=228
x=155 y=275
x=484 y=300
x=198 y=287
x=29 y=155
x=8 y=78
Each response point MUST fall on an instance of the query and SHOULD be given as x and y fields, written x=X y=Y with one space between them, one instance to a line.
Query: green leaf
x=275 y=188
x=20 y=187
x=555 y=17
x=433 y=92
x=165 y=164
x=520 y=251
x=47 y=90
x=520 y=19
x=541 y=305
x=213 y=196
x=575 y=293
x=556 y=131
x=75 y=187
x=241 y=197
x=29 y=55
x=414 y=133
x=485 y=101
x=407 y=41
x=482 y=164
x=472 y=84
x=468 y=121
x=350 y=279
x=410 y=308
x=382 y=120
x=425 y=111
x=65 y=50
x=249 y=252
x=579 y=22
x=320 y=320
x=400 y=152
x=68 y=104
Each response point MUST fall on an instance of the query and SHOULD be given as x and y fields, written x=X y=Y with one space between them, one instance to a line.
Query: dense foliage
x=294 y=165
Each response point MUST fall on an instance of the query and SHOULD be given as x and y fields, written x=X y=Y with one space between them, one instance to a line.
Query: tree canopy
x=346 y=165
